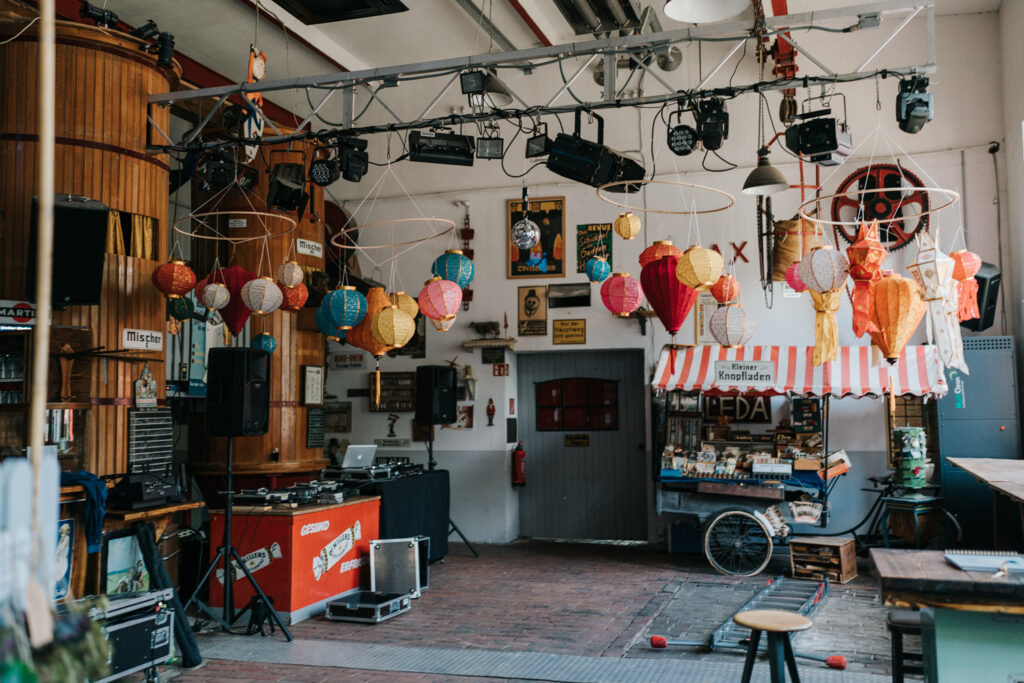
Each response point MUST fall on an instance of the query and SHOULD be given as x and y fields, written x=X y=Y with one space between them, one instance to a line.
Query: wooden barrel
x=103 y=80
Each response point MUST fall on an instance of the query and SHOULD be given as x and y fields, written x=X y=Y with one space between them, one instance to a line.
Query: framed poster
x=547 y=257
x=592 y=239
x=62 y=559
x=571 y=295
x=338 y=416
x=124 y=570
x=312 y=385
x=533 y=311
x=569 y=331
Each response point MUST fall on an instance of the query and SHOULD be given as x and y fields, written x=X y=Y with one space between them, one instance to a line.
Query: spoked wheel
x=737 y=543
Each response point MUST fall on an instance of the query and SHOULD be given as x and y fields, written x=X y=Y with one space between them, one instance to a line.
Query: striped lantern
x=405 y=303
x=262 y=296
x=670 y=298
x=216 y=296
x=628 y=225
x=181 y=308
x=393 y=327
x=444 y=324
x=174 y=279
x=597 y=269
x=824 y=269
x=726 y=290
x=657 y=250
x=453 y=265
x=966 y=266
x=326 y=325
x=345 y=306
x=621 y=294
x=289 y=274
x=294 y=298
x=700 y=268
x=440 y=299
x=731 y=326
x=361 y=335
x=264 y=342
x=793 y=278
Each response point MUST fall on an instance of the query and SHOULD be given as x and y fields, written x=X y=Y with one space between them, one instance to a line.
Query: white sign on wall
x=706 y=307
x=146 y=340
x=309 y=248
x=237 y=222
x=744 y=373
x=17 y=313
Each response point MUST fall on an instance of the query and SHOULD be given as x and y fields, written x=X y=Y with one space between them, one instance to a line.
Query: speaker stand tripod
x=431 y=465
x=229 y=553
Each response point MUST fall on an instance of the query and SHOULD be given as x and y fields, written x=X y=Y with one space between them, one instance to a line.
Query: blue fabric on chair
x=95 y=505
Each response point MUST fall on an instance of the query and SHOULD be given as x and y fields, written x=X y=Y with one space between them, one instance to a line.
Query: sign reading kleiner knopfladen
x=146 y=340
x=744 y=373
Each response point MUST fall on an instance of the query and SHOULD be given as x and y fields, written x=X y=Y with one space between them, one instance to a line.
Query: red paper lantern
x=294 y=298
x=726 y=289
x=966 y=266
x=793 y=278
x=236 y=313
x=657 y=250
x=174 y=279
x=621 y=294
x=670 y=298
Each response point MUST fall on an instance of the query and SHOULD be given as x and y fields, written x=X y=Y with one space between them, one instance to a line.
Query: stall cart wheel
x=736 y=542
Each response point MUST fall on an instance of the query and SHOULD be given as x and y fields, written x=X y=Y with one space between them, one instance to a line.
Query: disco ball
x=525 y=234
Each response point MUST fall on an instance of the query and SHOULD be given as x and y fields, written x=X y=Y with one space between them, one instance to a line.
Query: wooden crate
x=821 y=557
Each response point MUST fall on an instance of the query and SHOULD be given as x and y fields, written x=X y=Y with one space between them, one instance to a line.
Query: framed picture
x=547 y=257
x=533 y=311
x=124 y=570
x=62 y=561
x=312 y=385
x=338 y=416
x=592 y=239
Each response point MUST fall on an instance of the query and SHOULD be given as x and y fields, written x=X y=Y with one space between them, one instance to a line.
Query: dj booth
x=415 y=505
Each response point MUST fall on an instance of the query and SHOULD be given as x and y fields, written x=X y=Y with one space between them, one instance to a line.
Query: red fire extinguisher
x=519 y=465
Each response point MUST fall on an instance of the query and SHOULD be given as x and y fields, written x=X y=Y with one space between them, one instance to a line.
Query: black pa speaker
x=79 y=243
x=237 y=392
x=988 y=277
x=435 y=395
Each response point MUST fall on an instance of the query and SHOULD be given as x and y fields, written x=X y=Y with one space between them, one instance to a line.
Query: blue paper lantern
x=345 y=308
x=264 y=342
x=598 y=269
x=326 y=325
x=453 y=265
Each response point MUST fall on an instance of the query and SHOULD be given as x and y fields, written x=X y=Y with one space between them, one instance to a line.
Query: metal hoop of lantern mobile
x=952 y=197
x=260 y=215
x=339 y=239
x=602 y=195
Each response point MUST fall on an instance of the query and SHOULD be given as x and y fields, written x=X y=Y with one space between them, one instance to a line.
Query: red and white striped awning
x=918 y=372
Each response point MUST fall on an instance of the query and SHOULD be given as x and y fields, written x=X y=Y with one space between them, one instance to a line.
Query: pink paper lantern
x=793 y=278
x=621 y=294
x=440 y=299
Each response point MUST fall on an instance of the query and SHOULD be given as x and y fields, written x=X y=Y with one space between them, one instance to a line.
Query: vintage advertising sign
x=17 y=313
x=146 y=340
x=569 y=331
x=347 y=361
x=756 y=409
x=533 y=311
x=547 y=257
x=703 y=310
x=592 y=239
x=744 y=373
x=309 y=248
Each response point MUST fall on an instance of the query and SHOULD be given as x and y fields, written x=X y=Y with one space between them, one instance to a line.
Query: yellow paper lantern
x=405 y=303
x=826 y=330
x=699 y=268
x=628 y=225
x=393 y=327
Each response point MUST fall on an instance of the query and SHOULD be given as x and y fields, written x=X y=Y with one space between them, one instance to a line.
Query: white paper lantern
x=824 y=269
x=731 y=326
x=444 y=324
x=289 y=274
x=262 y=295
x=216 y=296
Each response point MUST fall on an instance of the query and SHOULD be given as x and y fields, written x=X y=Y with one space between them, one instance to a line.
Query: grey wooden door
x=595 y=491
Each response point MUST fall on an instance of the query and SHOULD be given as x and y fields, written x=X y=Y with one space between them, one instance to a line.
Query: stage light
x=821 y=138
x=682 y=139
x=102 y=17
x=491 y=146
x=484 y=89
x=472 y=82
x=592 y=163
x=914 y=106
x=165 y=50
x=324 y=170
x=712 y=122
x=287 y=188
x=540 y=144
x=146 y=31
x=765 y=179
x=354 y=161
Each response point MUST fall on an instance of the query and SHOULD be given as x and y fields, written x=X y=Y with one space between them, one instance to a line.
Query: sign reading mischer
x=744 y=373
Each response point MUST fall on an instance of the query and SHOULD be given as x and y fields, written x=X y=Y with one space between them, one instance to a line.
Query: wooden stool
x=779 y=625
x=903 y=622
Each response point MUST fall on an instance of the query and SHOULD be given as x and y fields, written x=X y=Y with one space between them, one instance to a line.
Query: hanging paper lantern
x=621 y=294
x=525 y=233
x=289 y=274
x=896 y=311
x=597 y=269
x=627 y=225
x=201 y=287
x=174 y=279
x=236 y=313
x=345 y=306
x=657 y=250
x=262 y=296
x=216 y=296
x=865 y=257
x=932 y=270
x=444 y=324
x=440 y=299
x=670 y=298
x=326 y=325
x=294 y=298
x=393 y=327
x=264 y=342
x=726 y=289
x=181 y=308
x=826 y=331
x=967 y=265
x=793 y=278
x=405 y=303
x=824 y=269
x=732 y=326
x=699 y=268
x=453 y=265
x=361 y=335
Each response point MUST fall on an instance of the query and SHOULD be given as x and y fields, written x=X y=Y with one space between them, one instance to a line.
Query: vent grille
x=988 y=343
x=150 y=439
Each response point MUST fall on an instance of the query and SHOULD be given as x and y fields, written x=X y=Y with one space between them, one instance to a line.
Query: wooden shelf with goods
x=823 y=557
x=397 y=392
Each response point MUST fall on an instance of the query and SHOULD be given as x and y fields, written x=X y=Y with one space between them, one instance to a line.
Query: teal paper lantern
x=326 y=325
x=264 y=342
x=453 y=265
x=598 y=269
x=345 y=308
x=181 y=308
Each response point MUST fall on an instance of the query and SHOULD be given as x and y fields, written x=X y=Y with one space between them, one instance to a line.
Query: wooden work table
x=1005 y=476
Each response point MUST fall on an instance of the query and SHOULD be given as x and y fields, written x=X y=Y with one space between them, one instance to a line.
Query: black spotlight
x=682 y=139
x=540 y=144
x=102 y=17
x=491 y=146
x=354 y=161
x=324 y=170
x=712 y=122
x=214 y=169
x=146 y=31
x=914 y=106
x=287 y=188
x=472 y=82
x=165 y=50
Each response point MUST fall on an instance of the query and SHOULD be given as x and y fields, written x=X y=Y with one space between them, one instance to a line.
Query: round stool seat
x=773 y=621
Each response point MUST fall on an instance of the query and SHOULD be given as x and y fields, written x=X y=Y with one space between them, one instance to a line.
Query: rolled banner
x=826 y=331
x=332 y=553
x=255 y=561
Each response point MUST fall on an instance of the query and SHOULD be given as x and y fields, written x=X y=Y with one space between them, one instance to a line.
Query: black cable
x=739 y=61
x=704 y=163
x=565 y=82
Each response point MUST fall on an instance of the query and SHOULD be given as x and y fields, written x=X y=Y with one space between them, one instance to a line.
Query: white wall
x=1011 y=22
x=968 y=96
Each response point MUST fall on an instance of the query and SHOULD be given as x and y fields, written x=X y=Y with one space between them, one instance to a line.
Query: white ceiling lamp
x=704 y=11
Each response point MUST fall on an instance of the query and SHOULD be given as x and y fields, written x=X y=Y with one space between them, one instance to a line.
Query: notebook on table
x=985 y=561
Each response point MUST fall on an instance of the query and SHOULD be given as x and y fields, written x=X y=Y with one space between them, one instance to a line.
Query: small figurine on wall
x=145 y=389
x=491 y=410
x=392 y=419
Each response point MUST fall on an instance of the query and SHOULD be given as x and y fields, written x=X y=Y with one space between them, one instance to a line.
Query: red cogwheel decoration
x=901 y=196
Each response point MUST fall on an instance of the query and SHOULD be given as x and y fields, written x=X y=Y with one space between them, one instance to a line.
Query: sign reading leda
x=744 y=373
x=146 y=340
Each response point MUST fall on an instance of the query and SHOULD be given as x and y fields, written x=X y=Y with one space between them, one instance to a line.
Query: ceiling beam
x=528 y=20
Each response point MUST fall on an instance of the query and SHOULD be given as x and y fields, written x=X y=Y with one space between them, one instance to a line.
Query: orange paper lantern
x=361 y=335
x=174 y=279
x=966 y=266
x=865 y=256
x=294 y=298
x=657 y=250
x=727 y=289
x=896 y=311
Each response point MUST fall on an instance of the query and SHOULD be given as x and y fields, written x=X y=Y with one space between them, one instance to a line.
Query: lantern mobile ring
x=289 y=222
x=952 y=197
x=339 y=239
x=603 y=196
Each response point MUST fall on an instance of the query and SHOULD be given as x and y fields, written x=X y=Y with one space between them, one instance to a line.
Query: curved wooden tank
x=103 y=79
x=280 y=457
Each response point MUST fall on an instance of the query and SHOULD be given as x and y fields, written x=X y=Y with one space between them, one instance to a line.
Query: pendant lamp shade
x=345 y=307
x=440 y=299
x=699 y=268
x=262 y=296
x=597 y=268
x=264 y=342
x=627 y=225
x=393 y=327
x=326 y=325
x=361 y=335
x=453 y=265
x=703 y=11
x=294 y=298
x=236 y=313
x=732 y=326
x=765 y=179
x=657 y=250
x=966 y=266
x=174 y=279
x=896 y=312
x=443 y=325
x=824 y=269
x=726 y=289
x=289 y=274
x=181 y=308
x=405 y=303
x=670 y=298
x=621 y=294
x=793 y=278
x=215 y=296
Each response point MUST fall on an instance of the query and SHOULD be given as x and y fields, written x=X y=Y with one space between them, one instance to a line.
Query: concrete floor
x=536 y=610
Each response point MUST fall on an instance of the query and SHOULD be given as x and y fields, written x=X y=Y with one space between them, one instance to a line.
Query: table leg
x=885 y=525
x=777 y=656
